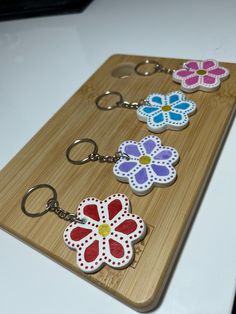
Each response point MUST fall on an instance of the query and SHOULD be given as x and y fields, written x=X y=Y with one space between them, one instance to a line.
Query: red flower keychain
x=102 y=232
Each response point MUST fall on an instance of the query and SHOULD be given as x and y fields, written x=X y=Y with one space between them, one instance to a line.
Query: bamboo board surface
x=168 y=212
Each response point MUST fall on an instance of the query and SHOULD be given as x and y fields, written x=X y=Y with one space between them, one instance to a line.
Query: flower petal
x=149 y=109
x=194 y=65
x=190 y=82
x=132 y=149
x=128 y=226
x=79 y=233
x=182 y=105
x=91 y=252
x=163 y=155
x=175 y=116
x=156 y=99
x=116 y=248
x=149 y=145
x=218 y=71
x=158 y=118
x=160 y=171
x=141 y=176
x=209 y=80
x=126 y=166
x=114 y=207
x=91 y=211
x=183 y=73
x=207 y=64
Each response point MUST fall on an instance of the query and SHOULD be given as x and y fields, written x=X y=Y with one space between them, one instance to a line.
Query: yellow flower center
x=145 y=160
x=104 y=230
x=201 y=72
x=166 y=108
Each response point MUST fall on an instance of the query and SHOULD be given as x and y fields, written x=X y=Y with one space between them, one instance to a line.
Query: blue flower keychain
x=160 y=112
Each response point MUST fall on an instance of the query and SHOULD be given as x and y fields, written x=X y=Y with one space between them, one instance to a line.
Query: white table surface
x=43 y=61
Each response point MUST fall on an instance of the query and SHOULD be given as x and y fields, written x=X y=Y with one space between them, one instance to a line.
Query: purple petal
x=163 y=155
x=132 y=149
x=160 y=170
x=149 y=145
x=126 y=166
x=141 y=176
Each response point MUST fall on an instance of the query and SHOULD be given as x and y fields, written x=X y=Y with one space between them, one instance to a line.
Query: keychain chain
x=120 y=103
x=53 y=206
x=94 y=156
x=107 y=158
x=157 y=67
x=131 y=105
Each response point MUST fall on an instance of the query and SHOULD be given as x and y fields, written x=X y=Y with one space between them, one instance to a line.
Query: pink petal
x=209 y=79
x=194 y=65
x=209 y=64
x=128 y=226
x=91 y=211
x=116 y=249
x=114 y=208
x=183 y=73
x=79 y=233
x=218 y=71
x=192 y=80
x=91 y=252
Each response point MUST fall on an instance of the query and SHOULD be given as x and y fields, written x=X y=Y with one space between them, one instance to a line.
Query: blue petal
x=158 y=118
x=157 y=99
x=173 y=98
x=182 y=105
x=175 y=116
x=149 y=109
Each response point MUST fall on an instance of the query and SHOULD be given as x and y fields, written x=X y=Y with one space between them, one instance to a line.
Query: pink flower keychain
x=102 y=232
x=200 y=75
x=194 y=75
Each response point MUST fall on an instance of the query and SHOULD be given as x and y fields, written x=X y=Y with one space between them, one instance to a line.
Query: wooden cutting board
x=168 y=212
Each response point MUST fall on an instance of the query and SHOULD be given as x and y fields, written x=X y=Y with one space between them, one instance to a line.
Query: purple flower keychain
x=194 y=75
x=142 y=164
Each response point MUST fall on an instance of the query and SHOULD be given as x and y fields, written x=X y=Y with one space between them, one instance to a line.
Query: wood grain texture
x=168 y=212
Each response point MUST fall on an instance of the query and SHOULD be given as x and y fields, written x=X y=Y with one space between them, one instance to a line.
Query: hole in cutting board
x=124 y=70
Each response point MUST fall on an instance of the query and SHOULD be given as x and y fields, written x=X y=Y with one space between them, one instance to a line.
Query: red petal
x=113 y=208
x=128 y=226
x=91 y=252
x=116 y=249
x=92 y=211
x=79 y=233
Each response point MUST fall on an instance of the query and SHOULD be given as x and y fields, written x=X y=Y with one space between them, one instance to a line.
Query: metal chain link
x=108 y=158
x=131 y=105
x=162 y=69
x=53 y=206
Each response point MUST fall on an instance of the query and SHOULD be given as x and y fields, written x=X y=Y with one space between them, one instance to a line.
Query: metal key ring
x=29 y=192
x=156 y=67
x=77 y=142
x=107 y=93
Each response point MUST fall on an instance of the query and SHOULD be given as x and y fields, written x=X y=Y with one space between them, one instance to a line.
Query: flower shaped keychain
x=169 y=111
x=195 y=75
x=102 y=232
x=200 y=75
x=143 y=164
x=161 y=112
